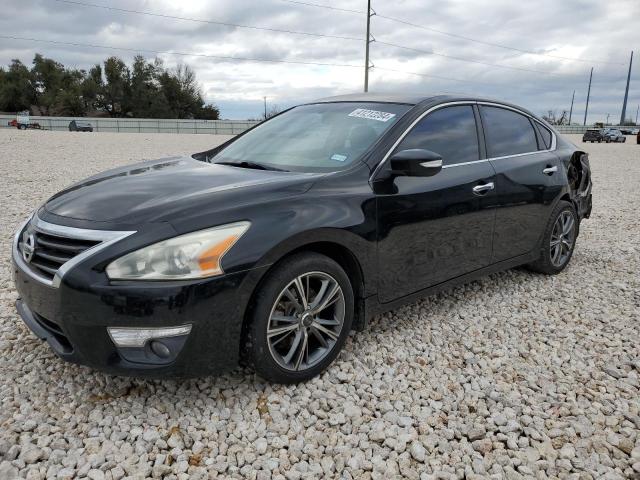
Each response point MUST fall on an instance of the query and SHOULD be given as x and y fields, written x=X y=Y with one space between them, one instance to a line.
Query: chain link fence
x=141 y=125
x=212 y=127
x=582 y=129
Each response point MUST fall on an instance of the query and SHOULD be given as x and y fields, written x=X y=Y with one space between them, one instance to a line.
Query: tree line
x=145 y=90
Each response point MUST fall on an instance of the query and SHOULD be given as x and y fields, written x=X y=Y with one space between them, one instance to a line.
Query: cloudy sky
x=532 y=53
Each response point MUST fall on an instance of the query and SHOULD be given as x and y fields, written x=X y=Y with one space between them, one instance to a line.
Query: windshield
x=321 y=137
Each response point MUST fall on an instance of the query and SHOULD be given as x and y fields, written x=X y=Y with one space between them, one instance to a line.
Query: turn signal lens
x=194 y=255
x=210 y=258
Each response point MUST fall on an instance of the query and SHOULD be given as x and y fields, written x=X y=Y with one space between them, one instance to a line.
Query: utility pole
x=637 y=110
x=586 y=109
x=368 y=41
x=626 y=92
x=607 y=122
x=571 y=110
x=265 y=107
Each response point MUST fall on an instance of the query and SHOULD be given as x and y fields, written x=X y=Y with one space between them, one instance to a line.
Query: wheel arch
x=348 y=250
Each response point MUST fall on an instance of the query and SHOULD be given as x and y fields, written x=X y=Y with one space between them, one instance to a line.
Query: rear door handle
x=550 y=170
x=480 y=189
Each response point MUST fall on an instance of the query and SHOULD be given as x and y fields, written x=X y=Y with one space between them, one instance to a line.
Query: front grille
x=52 y=251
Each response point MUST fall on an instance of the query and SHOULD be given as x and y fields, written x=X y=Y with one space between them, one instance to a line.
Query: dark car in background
x=593 y=135
x=269 y=249
x=80 y=126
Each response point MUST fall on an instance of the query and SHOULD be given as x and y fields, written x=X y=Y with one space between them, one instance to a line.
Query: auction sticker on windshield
x=372 y=115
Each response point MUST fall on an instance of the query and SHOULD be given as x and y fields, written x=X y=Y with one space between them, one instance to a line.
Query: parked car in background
x=592 y=135
x=80 y=126
x=613 y=135
x=272 y=247
x=629 y=130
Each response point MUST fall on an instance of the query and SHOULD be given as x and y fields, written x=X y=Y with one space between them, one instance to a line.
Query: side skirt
x=373 y=307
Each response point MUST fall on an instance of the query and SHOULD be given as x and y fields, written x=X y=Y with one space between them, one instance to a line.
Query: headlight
x=194 y=255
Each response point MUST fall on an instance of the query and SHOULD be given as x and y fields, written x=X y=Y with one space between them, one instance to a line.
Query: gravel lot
x=516 y=375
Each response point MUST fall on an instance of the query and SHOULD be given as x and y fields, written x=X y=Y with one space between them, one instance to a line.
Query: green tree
x=209 y=112
x=148 y=89
x=183 y=94
x=146 y=100
x=181 y=91
x=48 y=76
x=113 y=93
x=16 y=88
x=69 y=99
x=90 y=87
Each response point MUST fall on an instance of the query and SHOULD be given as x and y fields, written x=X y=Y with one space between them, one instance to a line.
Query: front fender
x=361 y=249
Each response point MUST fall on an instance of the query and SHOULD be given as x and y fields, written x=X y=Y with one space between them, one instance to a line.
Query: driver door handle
x=550 y=170
x=479 y=189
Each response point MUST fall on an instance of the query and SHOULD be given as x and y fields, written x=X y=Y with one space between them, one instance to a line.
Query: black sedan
x=80 y=126
x=269 y=249
x=593 y=135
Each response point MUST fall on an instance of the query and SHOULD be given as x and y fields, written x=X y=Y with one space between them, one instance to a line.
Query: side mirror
x=416 y=163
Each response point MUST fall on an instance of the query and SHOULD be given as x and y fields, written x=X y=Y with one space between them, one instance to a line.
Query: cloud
x=584 y=29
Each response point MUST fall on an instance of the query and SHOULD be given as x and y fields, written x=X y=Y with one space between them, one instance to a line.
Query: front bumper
x=73 y=318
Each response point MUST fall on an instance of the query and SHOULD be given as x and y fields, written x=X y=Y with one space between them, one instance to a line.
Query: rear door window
x=450 y=132
x=507 y=132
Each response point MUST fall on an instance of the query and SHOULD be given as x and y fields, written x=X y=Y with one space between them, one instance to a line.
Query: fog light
x=160 y=349
x=138 y=337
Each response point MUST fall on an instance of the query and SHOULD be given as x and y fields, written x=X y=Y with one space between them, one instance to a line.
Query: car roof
x=377 y=97
x=424 y=100
x=416 y=99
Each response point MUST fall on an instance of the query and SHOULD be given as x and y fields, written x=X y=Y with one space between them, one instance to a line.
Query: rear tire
x=558 y=241
x=309 y=335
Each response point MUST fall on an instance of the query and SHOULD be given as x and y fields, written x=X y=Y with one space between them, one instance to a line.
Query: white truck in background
x=22 y=121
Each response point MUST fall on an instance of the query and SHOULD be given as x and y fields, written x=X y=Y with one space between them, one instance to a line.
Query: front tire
x=558 y=241
x=300 y=319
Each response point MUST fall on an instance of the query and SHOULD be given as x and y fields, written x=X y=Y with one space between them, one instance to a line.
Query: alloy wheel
x=562 y=239
x=306 y=321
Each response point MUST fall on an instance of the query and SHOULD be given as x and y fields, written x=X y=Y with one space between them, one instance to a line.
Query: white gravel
x=516 y=375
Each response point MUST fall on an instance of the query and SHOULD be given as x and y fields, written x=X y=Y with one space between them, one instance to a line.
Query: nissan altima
x=269 y=249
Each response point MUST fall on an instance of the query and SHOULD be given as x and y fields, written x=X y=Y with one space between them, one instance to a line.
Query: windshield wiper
x=254 y=165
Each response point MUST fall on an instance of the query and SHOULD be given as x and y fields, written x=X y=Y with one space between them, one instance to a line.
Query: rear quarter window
x=545 y=136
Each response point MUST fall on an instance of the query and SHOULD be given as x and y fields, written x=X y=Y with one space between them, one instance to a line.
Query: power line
x=329 y=7
x=294 y=32
x=200 y=20
x=225 y=57
x=455 y=35
x=437 y=76
x=184 y=54
x=452 y=57
x=507 y=47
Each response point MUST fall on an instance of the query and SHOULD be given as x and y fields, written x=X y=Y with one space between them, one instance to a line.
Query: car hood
x=162 y=190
